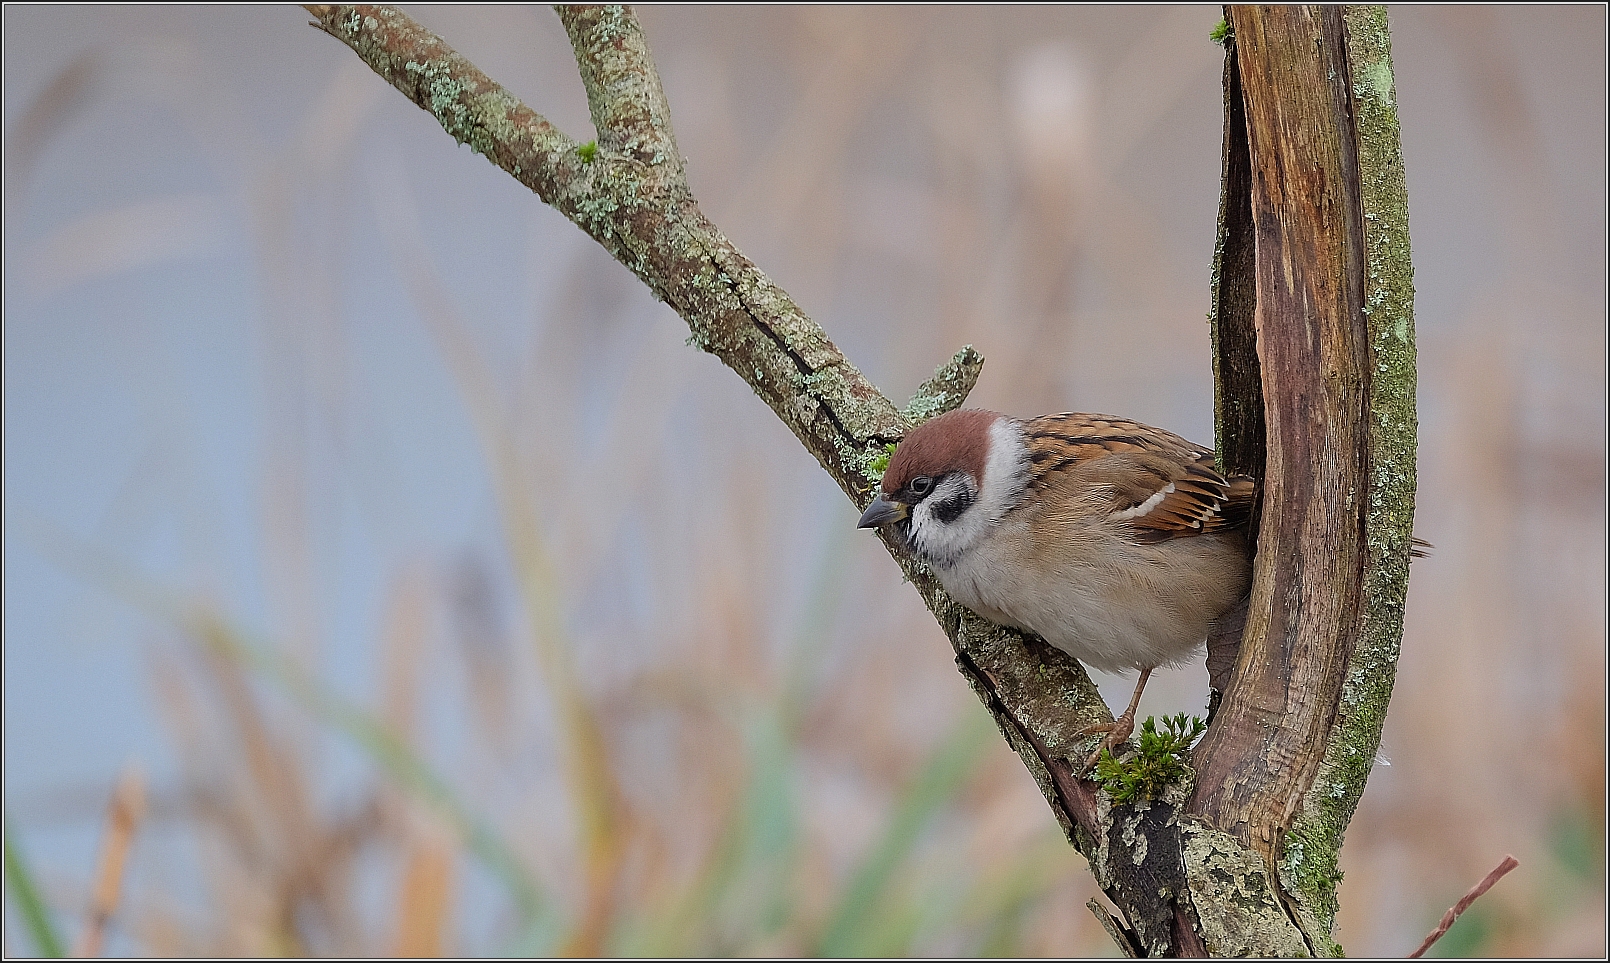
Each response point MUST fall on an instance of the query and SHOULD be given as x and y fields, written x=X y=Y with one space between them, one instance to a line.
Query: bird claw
x=1120 y=729
x=1118 y=732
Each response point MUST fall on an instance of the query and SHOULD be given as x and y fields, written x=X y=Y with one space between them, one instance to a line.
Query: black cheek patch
x=951 y=508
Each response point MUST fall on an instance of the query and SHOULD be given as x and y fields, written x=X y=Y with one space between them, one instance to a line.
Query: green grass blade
x=857 y=923
x=25 y=896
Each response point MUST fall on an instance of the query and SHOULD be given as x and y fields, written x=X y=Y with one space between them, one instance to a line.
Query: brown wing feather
x=1161 y=484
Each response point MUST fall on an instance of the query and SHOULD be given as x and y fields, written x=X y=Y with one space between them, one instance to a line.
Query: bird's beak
x=880 y=512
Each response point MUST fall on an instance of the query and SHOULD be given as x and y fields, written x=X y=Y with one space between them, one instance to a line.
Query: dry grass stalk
x=123 y=815
x=425 y=898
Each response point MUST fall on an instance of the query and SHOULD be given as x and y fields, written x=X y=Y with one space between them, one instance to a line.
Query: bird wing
x=1160 y=484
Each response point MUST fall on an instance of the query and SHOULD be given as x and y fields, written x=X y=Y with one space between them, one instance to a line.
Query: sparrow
x=1119 y=543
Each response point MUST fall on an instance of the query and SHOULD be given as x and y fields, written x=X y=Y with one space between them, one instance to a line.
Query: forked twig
x=628 y=191
x=1497 y=874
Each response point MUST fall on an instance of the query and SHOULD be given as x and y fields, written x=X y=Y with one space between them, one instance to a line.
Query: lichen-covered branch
x=627 y=191
x=467 y=103
x=629 y=194
x=623 y=88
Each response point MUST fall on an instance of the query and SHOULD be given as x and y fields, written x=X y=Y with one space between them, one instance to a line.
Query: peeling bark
x=1314 y=214
x=1270 y=731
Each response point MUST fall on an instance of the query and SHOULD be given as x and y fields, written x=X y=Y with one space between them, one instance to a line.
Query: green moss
x=879 y=463
x=1222 y=33
x=1307 y=869
x=587 y=151
x=1159 y=762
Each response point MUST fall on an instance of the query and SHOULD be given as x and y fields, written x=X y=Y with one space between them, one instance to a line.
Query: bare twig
x=1486 y=884
x=1115 y=930
x=123 y=816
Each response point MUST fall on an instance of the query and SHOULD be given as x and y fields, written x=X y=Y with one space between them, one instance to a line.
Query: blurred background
x=383 y=574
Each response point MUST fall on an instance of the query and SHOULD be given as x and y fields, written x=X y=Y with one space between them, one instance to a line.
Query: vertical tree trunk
x=1313 y=358
x=1313 y=332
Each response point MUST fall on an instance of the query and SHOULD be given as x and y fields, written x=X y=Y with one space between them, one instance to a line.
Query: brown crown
x=954 y=441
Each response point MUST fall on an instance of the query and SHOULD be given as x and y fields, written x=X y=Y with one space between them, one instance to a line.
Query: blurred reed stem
x=123 y=815
x=754 y=858
x=857 y=927
x=394 y=756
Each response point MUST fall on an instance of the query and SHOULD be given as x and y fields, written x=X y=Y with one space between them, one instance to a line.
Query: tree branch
x=1269 y=734
x=467 y=103
x=1458 y=909
x=624 y=94
x=1315 y=840
x=629 y=194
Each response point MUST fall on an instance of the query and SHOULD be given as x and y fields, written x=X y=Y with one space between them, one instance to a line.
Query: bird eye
x=920 y=485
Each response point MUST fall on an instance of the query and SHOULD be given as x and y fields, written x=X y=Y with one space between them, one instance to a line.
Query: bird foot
x=1118 y=732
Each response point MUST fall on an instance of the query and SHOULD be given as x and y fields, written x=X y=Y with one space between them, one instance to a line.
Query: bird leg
x=1119 y=730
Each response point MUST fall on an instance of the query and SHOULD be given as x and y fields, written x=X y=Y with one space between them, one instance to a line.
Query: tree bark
x=1309 y=330
x=1295 y=278
x=1313 y=226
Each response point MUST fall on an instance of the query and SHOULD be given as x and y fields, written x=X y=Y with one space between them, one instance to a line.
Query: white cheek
x=940 y=542
x=1006 y=470
x=1005 y=477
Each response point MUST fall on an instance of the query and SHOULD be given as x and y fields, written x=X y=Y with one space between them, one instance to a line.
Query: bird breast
x=1103 y=598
